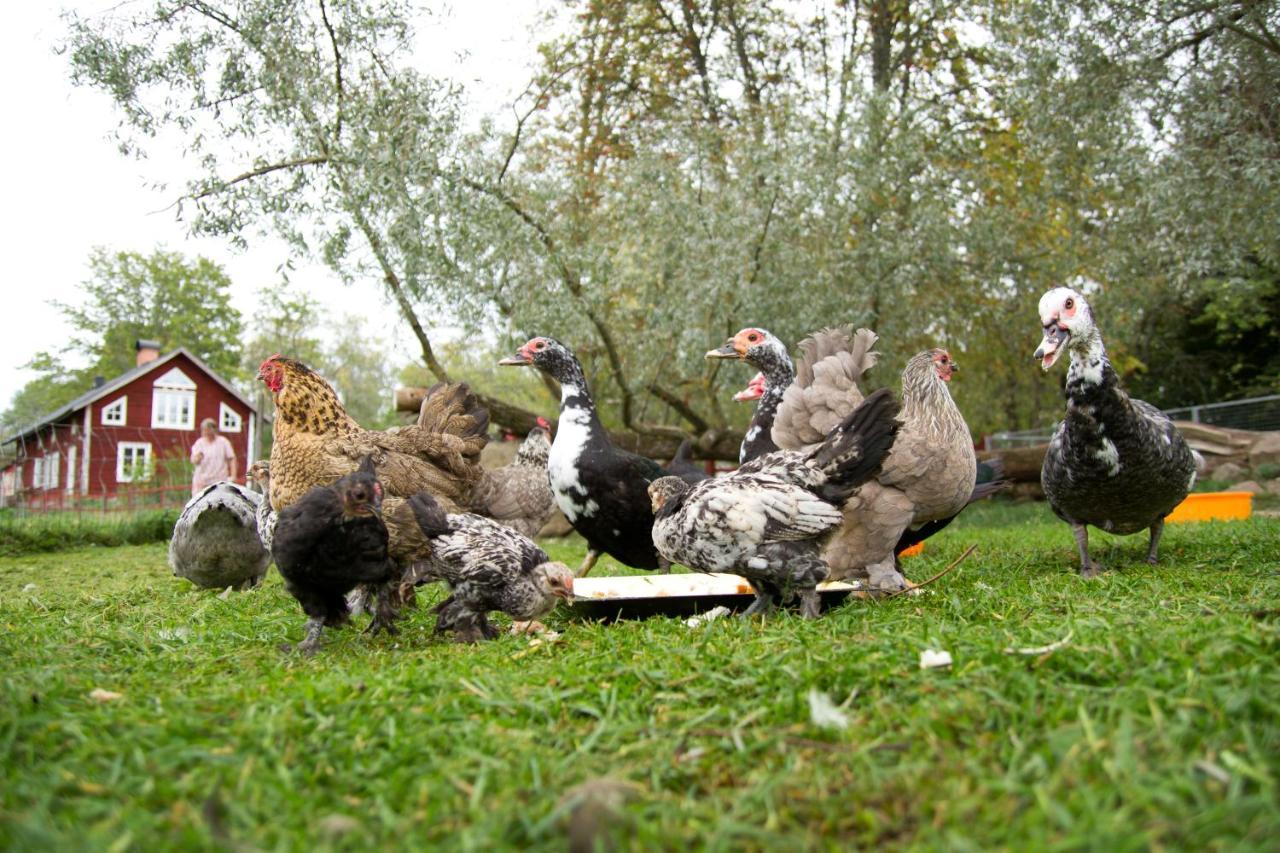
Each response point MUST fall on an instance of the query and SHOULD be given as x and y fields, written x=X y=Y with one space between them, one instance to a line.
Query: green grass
x=59 y=531
x=1157 y=725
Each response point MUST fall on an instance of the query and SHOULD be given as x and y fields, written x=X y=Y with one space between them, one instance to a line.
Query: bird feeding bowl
x=641 y=596
x=1213 y=506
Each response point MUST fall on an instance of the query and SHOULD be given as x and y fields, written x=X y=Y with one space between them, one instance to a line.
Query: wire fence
x=1260 y=414
x=39 y=501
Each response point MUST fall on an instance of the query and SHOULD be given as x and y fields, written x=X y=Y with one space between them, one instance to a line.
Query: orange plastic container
x=1213 y=506
x=914 y=550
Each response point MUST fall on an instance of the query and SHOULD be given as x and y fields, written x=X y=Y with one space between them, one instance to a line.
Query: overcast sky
x=67 y=188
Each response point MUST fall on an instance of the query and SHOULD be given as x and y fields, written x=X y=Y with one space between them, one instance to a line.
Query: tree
x=128 y=297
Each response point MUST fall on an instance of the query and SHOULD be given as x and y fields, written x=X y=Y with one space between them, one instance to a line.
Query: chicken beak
x=726 y=351
x=1055 y=337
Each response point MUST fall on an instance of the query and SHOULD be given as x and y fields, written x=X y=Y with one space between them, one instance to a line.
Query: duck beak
x=726 y=351
x=520 y=359
x=1055 y=338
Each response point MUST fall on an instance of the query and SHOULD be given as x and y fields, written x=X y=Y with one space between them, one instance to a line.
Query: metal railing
x=1260 y=414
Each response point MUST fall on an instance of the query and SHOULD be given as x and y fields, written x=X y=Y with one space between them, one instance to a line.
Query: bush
x=63 y=531
x=1268 y=471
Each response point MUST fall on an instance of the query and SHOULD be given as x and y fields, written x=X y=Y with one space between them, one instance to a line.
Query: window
x=37 y=473
x=173 y=409
x=71 y=469
x=173 y=403
x=228 y=418
x=114 y=414
x=133 y=461
x=52 y=465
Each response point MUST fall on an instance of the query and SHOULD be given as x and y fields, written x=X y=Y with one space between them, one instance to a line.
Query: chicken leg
x=588 y=563
x=1088 y=567
x=1157 y=530
x=311 y=642
x=885 y=577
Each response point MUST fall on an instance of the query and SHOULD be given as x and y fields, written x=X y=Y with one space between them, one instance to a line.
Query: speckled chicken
x=331 y=541
x=1115 y=463
x=260 y=476
x=215 y=540
x=769 y=520
x=930 y=474
x=488 y=567
x=519 y=494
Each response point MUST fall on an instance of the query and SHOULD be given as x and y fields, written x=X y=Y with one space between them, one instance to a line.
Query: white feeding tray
x=640 y=596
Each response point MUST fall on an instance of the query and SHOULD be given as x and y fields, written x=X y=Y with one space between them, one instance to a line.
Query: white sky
x=68 y=189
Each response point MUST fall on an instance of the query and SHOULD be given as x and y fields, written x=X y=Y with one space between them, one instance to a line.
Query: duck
x=1114 y=463
x=767 y=354
x=600 y=488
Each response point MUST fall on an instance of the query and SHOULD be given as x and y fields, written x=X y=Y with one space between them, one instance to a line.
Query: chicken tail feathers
x=854 y=349
x=855 y=450
x=452 y=409
x=431 y=517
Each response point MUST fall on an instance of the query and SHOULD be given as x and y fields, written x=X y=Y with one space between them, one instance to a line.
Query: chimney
x=147 y=351
x=99 y=381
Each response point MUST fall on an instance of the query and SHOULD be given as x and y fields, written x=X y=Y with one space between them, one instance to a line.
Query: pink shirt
x=212 y=467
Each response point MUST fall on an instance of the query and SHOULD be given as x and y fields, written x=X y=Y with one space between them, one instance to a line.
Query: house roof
x=110 y=387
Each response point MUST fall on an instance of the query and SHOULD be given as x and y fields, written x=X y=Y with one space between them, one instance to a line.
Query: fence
x=1255 y=413
x=123 y=501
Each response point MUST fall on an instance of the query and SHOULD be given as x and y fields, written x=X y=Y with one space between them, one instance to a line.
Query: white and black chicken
x=260 y=475
x=215 y=541
x=487 y=565
x=1115 y=463
x=769 y=520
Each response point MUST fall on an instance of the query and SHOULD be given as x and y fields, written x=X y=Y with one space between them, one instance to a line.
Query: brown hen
x=315 y=441
x=928 y=476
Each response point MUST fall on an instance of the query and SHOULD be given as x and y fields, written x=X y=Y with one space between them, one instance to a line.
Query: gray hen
x=487 y=565
x=769 y=520
x=1116 y=463
x=215 y=541
x=519 y=495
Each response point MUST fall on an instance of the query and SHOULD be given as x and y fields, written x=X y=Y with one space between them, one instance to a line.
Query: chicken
x=768 y=520
x=930 y=474
x=487 y=565
x=260 y=475
x=315 y=441
x=1116 y=463
x=519 y=494
x=215 y=540
x=329 y=542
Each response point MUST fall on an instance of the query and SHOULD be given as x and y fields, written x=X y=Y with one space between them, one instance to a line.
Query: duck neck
x=576 y=404
x=1090 y=376
x=779 y=373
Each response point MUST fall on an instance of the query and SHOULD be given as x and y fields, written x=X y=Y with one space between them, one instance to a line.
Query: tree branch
x=337 y=70
x=259 y=172
x=685 y=411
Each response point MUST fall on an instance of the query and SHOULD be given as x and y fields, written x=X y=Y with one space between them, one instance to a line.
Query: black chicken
x=329 y=542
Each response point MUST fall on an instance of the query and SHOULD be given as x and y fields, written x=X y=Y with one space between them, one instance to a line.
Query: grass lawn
x=1158 y=724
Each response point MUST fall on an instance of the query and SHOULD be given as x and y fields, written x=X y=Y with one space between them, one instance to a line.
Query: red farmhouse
x=117 y=432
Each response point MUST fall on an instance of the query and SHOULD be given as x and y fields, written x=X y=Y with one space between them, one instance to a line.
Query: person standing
x=213 y=456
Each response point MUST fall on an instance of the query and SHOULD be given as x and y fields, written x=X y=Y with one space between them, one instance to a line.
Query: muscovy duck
x=601 y=489
x=215 y=540
x=769 y=520
x=1114 y=462
x=769 y=355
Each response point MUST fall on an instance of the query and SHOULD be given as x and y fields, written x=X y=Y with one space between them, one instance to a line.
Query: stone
x=1250 y=486
x=1265 y=451
x=1272 y=486
x=1228 y=472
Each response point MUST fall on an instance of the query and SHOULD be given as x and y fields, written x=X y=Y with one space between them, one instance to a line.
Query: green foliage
x=677 y=171
x=64 y=531
x=1151 y=727
x=162 y=297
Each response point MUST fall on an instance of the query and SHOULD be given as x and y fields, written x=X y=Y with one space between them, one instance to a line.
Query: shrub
x=62 y=531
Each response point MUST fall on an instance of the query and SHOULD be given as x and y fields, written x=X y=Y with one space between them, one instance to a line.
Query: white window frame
x=170 y=401
x=234 y=425
x=52 y=468
x=72 y=453
x=170 y=392
x=37 y=473
x=129 y=476
x=116 y=413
